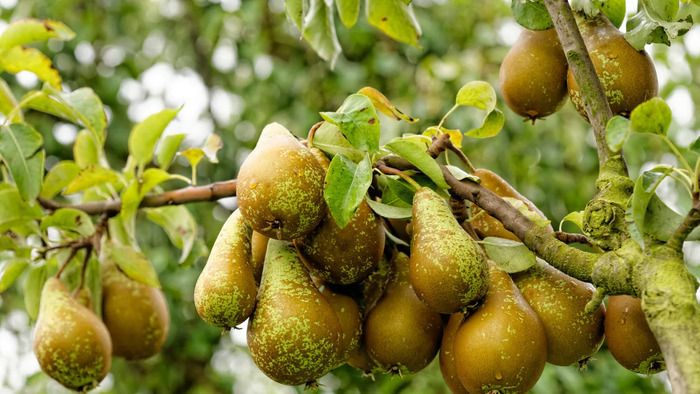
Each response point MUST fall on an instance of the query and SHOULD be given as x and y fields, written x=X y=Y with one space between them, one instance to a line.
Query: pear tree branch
x=691 y=221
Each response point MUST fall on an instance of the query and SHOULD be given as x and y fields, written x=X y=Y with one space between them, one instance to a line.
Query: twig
x=83 y=269
x=73 y=252
x=691 y=221
x=381 y=166
x=572 y=238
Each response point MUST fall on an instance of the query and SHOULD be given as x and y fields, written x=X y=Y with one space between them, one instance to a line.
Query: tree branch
x=211 y=192
x=691 y=221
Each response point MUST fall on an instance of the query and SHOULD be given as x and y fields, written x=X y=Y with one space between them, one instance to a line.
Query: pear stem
x=312 y=134
x=73 y=252
x=83 y=269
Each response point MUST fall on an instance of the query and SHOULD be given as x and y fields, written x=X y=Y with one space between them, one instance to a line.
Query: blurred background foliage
x=237 y=65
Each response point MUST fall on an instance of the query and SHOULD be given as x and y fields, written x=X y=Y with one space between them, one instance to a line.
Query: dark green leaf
x=652 y=116
x=478 y=94
x=346 y=186
x=493 y=124
x=389 y=211
x=167 y=148
x=416 y=154
x=178 y=223
x=357 y=120
x=32 y=290
x=395 y=18
x=510 y=256
x=616 y=132
x=145 y=135
x=10 y=270
x=348 y=10
x=531 y=14
x=133 y=263
x=318 y=30
x=20 y=147
x=58 y=177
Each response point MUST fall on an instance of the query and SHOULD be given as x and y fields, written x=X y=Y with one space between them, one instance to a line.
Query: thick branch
x=211 y=192
x=595 y=102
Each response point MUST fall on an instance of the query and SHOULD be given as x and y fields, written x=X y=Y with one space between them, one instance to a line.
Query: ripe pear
x=533 y=74
x=448 y=368
x=294 y=334
x=448 y=271
x=258 y=248
x=347 y=255
x=71 y=343
x=559 y=300
x=486 y=225
x=280 y=186
x=135 y=314
x=224 y=294
x=628 y=76
x=502 y=345
x=629 y=337
x=350 y=319
x=401 y=333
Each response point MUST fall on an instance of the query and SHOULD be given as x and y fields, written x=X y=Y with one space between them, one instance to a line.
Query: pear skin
x=225 y=292
x=350 y=318
x=448 y=271
x=258 y=248
x=294 y=334
x=135 y=314
x=448 y=367
x=71 y=343
x=280 y=186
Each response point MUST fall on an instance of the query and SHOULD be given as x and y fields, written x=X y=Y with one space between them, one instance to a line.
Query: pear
x=135 y=314
x=347 y=255
x=628 y=76
x=533 y=74
x=359 y=359
x=71 y=343
x=629 y=337
x=280 y=186
x=448 y=271
x=502 y=345
x=294 y=334
x=224 y=294
x=448 y=368
x=401 y=334
x=258 y=248
x=486 y=225
x=350 y=319
x=560 y=301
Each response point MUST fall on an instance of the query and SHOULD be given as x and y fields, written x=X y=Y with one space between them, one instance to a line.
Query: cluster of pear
x=75 y=347
x=318 y=296
x=534 y=75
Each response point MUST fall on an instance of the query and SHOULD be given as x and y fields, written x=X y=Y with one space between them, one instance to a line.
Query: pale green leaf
x=531 y=14
x=58 y=177
x=390 y=211
x=69 y=220
x=644 y=188
x=614 y=9
x=193 y=155
x=329 y=139
x=90 y=177
x=14 y=211
x=652 y=116
x=478 y=94
x=21 y=151
x=33 y=285
x=27 y=31
x=616 y=132
x=346 y=186
x=295 y=11
x=395 y=18
x=8 y=103
x=461 y=175
x=493 y=124
x=145 y=135
x=81 y=106
x=575 y=217
x=417 y=155
x=348 y=10
x=357 y=120
x=18 y=59
x=178 y=223
x=510 y=256
x=318 y=30
x=133 y=263
x=167 y=148
x=10 y=270
x=85 y=150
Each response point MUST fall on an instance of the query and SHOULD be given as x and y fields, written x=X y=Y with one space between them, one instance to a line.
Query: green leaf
x=14 y=210
x=178 y=223
x=384 y=105
x=643 y=28
x=211 y=147
x=348 y=10
x=346 y=186
x=85 y=150
x=58 y=177
x=461 y=175
x=199 y=250
x=644 y=188
x=193 y=155
x=145 y=135
x=510 y=256
x=10 y=270
x=478 y=94
x=93 y=282
x=20 y=147
x=396 y=240
x=19 y=59
x=32 y=290
x=652 y=116
x=614 y=9
x=660 y=221
x=575 y=217
x=295 y=11
x=531 y=14
x=318 y=30
x=417 y=155
x=138 y=188
x=493 y=124
x=26 y=31
x=389 y=211
x=8 y=103
x=357 y=120
x=527 y=211
x=395 y=18
x=329 y=139
x=662 y=9
x=81 y=106
x=167 y=148
x=395 y=191
x=90 y=177
x=616 y=132
x=133 y=263
x=70 y=220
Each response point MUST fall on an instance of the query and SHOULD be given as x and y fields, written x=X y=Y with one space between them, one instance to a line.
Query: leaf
x=145 y=135
x=389 y=211
x=295 y=11
x=616 y=132
x=329 y=139
x=695 y=146
x=652 y=116
x=93 y=282
x=178 y=223
x=69 y=219
x=167 y=148
x=643 y=28
x=461 y=175
x=395 y=18
x=478 y=94
x=26 y=31
x=416 y=154
x=193 y=155
x=211 y=147
x=19 y=59
x=385 y=106
x=32 y=290
x=455 y=135
x=510 y=256
x=662 y=9
x=199 y=250
x=90 y=177
x=395 y=191
x=10 y=270
x=8 y=103
x=346 y=186
x=58 y=177
x=644 y=188
x=493 y=124
x=133 y=263
x=527 y=211
x=13 y=209
x=137 y=190
x=81 y=106
x=575 y=217
x=396 y=240
x=531 y=14
x=660 y=221
x=85 y=150
x=614 y=9
x=20 y=148
x=318 y=30
x=348 y=10
x=357 y=120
